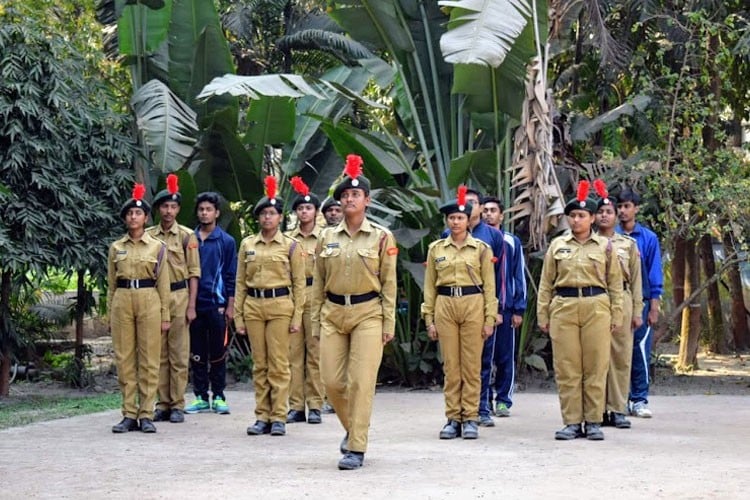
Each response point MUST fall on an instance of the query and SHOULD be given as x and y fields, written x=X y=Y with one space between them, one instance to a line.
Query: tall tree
x=63 y=159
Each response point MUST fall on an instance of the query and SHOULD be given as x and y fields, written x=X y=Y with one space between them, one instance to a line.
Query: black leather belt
x=350 y=300
x=178 y=285
x=147 y=283
x=267 y=293
x=458 y=291
x=308 y=281
x=588 y=291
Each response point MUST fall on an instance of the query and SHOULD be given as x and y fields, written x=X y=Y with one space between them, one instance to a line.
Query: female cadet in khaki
x=354 y=309
x=621 y=354
x=184 y=273
x=269 y=300
x=304 y=349
x=460 y=310
x=138 y=298
x=579 y=305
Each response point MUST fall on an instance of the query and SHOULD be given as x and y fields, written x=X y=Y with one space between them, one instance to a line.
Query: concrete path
x=694 y=447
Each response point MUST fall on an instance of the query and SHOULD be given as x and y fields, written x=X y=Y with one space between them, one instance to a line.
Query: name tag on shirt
x=122 y=252
x=249 y=252
x=440 y=259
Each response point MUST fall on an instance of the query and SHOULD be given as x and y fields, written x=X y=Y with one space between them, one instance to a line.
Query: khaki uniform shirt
x=277 y=263
x=356 y=264
x=137 y=260
x=629 y=257
x=308 y=243
x=467 y=265
x=182 y=246
x=569 y=263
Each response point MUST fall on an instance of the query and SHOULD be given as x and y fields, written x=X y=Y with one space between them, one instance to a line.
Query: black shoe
x=162 y=415
x=259 y=427
x=147 y=426
x=327 y=408
x=486 y=421
x=352 y=460
x=470 y=429
x=607 y=420
x=313 y=417
x=177 y=416
x=594 y=431
x=126 y=425
x=344 y=446
x=619 y=421
x=295 y=416
x=278 y=429
x=568 y=432
x=451 y=430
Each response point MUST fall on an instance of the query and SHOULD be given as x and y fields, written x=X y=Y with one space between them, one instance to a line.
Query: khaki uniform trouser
x=580 y=333
x=175 y=355
x=459 y=322
x=621 y=358
x=351 y=348
x=306 y=386
x=135 y=319
x=267 y=322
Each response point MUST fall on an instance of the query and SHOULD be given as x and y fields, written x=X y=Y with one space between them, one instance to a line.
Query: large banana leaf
x=279 y=85
x=142 y=21
x=270 y=121
x=212 y=58
x=167 y=125
x=483 y=31
x=223 y=164
x=189 y=19
x=582 y=128
x=308 y=140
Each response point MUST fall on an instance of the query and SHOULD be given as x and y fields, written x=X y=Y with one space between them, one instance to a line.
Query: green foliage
x=15 y=412
x=70 y=370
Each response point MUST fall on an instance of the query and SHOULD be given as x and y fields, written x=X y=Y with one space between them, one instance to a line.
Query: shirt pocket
x=146 y=266
x=278 y=265
x=330 y=253
x=177 y=255
x=623 y=258
x=370 y=259
x=598 y=263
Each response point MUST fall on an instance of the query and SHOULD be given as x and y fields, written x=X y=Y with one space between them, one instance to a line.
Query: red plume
x=138 y=191
x=271 y=186
x=299 y=186
x=601 y=188
x=172 y=183
x=583 y=190
x=461 y=195
x=353 y=166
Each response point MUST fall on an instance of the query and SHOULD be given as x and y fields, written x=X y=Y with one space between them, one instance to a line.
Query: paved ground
x=695 y=447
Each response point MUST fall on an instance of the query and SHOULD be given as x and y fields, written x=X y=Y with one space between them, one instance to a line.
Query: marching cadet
x=269 y=301
x=621 y=355
x=460 y=310
x=354 y=309
x=332 y=212
x=304 y=351
x=138 y=298
x=184 y=272
x=580 y=305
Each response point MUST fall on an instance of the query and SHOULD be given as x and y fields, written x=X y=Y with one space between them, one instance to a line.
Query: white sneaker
x=640 y=409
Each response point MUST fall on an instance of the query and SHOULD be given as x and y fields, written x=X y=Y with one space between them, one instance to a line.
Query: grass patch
x=34 y=408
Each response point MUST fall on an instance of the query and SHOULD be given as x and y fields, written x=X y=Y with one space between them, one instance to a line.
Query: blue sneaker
x=220 y=406
x=199 y=405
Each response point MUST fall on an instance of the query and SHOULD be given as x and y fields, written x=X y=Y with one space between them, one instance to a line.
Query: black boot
x=451 y=430
x=568 y=432
x=126 y=425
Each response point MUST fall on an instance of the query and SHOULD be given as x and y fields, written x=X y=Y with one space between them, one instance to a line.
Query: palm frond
x=168 y=125
x=342 y=47
x=483 y=31
x=279 y=85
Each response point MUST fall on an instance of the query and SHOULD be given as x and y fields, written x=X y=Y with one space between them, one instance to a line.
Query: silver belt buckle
x=273 y=293
x=256 y=293
x=456 y=291
x=134 y=284
x=347 y=300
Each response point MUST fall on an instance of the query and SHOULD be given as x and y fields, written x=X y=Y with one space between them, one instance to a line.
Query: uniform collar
x=277 y=238
x=470 y=241
x=569 y=237
x=365 y=227
x=172 y=230
x=315 y=232
x=146 y=238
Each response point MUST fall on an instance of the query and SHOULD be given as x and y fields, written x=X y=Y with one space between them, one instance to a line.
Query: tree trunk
x=740 y=333
x=666 y=329
x=715 y=336
x=81 y=301
x=5 y=333
x=687 y=358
